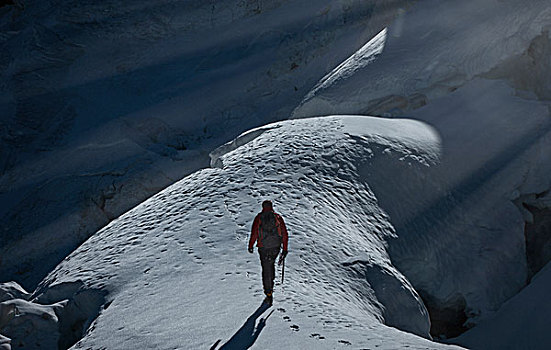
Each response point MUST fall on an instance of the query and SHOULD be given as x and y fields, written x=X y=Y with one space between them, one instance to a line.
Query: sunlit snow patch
x=360 y=59
x=178 y=274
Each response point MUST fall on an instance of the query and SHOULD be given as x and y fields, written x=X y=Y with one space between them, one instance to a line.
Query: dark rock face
x=529 y=70
x=538 y=239
x=448 y=317
x=6 y=2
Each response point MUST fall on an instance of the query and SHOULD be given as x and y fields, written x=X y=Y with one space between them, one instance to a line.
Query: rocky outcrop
x=55 y=318
x=537 y=230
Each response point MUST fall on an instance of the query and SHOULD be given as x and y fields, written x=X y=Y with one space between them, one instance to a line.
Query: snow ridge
x=239 y=141
x=189 y=242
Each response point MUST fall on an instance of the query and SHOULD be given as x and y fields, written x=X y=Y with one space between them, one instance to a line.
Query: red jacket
x=281 y=230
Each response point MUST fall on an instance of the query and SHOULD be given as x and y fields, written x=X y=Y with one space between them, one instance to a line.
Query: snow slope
x=103 y=104
x=435 y=48
x=176 y=273
x=510 y=321
x=474 y=230
x=465 y=235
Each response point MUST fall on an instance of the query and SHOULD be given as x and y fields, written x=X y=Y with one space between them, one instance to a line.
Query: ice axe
x=282 y=263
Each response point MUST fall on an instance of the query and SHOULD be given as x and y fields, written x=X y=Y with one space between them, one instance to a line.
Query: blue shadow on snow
x=247 y=335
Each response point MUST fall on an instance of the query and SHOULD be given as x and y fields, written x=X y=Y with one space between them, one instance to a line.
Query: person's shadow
x=247 y=334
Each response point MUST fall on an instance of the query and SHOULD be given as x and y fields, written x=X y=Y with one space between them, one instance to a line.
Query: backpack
x=269 y=233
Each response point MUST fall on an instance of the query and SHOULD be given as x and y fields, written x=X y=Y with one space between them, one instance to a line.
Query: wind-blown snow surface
x=478 y=71
x=435 y=48
x=104 y=103
x=177 y=273
x=475 y=70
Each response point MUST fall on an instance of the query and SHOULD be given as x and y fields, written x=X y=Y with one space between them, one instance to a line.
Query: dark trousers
x=268 y=257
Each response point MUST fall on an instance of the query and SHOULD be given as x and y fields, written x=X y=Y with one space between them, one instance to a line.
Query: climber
x=270 y=233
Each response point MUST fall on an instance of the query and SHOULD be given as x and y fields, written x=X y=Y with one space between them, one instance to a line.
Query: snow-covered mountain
x=478 y=71
x=438 y=223
x=436 y=48
x=174 y=272
x=103 y=104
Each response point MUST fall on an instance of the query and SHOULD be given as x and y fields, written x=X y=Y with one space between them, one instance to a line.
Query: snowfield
x=475 y=230
x=175 y=272
x=425 y=225
x=524 y=317
x=435 y=48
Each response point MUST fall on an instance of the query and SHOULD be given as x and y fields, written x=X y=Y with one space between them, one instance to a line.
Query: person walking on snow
x=270 y=233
